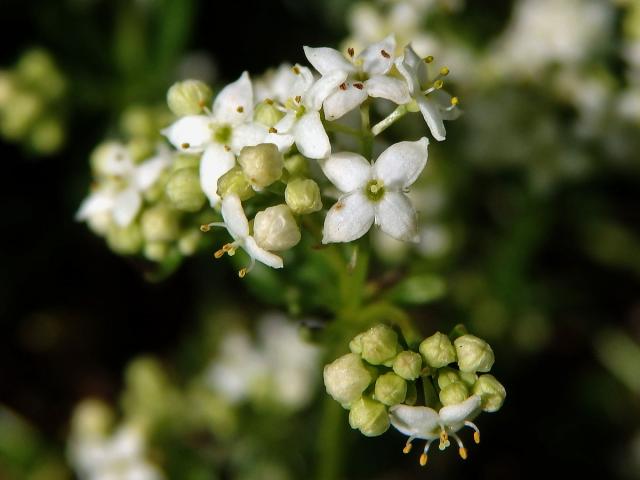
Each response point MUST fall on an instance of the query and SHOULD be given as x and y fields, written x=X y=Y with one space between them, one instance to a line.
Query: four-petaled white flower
x=362 y=76
x=236 y=223
x=434 y=103
x=121 y=183
x=222 y=133
x=429 y=425
x=374 y=192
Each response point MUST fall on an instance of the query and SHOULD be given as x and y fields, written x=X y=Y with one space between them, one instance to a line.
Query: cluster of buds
x=30 y=98
x=428 y=394
x=144 y=195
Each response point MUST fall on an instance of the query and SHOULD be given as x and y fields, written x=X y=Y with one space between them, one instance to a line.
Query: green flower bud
x=21 y=112
x=7 y=87
x=47 y=135
x=303 y=196
x=275 y=229
x=188 y=97
x=183 y=190
x=296 y=166
x=140 y=149
x=139 y=122
x=156 y=251
x=346 y=378
x=125 y=240
x=185 y=160
x=37 y=70
x=355 y=345
x=379 y=344
x=390 y=389
x=491 y=392
x=101 y=157
x=189 y=241
x=474 y=354
x=235 y=182
x=92 y=418
x=469 y=379
x=159 y=224
x=408 y=365
x=447 y=376
x=369 y=416
x=267 y=114
x=437 y=350
x=454 y=393
x=261 y=164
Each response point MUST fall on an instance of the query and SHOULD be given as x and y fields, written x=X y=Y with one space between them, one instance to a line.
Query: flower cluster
x=420 y=393
x=259 y=139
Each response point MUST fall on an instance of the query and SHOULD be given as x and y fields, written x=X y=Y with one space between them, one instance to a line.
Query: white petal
x=234 y=103
x=343 y=101
x=432 y=116
x=270 y=259
x=311 y=139
x=234 y=217
x=215 y=162
x=413 y=69
x=286 y=123
x=301 y=83
x=247 y=135
x=349 y=218
x=378 y=57
x=401 y=164
x=282 y=141
x=419 y=422
x=458 y=413
x=96 y=203
x=321 y=89
x=396 y=217
x=149 y=171
x=190 y=134
x=347 y=171
x=326 y=60
x=126 y=206
x=390 y=88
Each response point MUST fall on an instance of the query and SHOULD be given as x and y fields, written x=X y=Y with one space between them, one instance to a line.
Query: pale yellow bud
x=275 y=229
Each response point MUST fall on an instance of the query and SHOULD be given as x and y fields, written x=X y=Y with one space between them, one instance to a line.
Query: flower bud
x=267 y=114
x=275 y=229
x=106 y=157
x=139 y=121
x=91 y=418
x=235 y=182
x=125 y=240
x=369 y=416
x=346 y=378
x=189 y=241
x=183 y=190
x=7 y=87
x=262 y=164
x=47 y=135
x=379 y=344
x=491 y=392
x=390 y=389
x=296 y=166
x=408 y=365
x=355 y=345
x=159 y=224
x=185 y=160
x=447 y=376
x=140 y=149
x=474 y=354
x=37 y=70
x=188 y=97
x=437 y=350
x=469 y=379
x=455 y=392
x=22 y=110
x=156 y=251
x=303 y=196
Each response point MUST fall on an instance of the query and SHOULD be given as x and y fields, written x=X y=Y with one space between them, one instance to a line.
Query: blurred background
x=531 y=237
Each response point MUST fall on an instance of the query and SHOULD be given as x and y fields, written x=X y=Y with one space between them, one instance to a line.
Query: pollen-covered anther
x=428 y=59
x=268 y=101
x=438 y=84
x=205 y=227
x=423 y=459
x=273 y=130
x=295 y=70
x=240 y=109
x=407 y=447
x=444 y=71
x=298 y=99
x=343 y=86
x=227 y=148
x=351 y=51
x=359 y=86
x=455 y=101
x=476 y=437
x=463 y=453
x=185 y=145
x=242 y=272
x=219 y=254
x=444 y=440
x=476 y=430
x=385 y=54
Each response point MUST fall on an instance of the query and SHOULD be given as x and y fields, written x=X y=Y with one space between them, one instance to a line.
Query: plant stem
x=385 y=123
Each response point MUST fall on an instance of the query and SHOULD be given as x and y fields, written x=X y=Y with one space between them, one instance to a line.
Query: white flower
x=362 y=76
x=236 y=223
x=121 y=185
x=434 y=104
x=222 y=133
x=302 y=118
x=374 y=192
x=427 y=424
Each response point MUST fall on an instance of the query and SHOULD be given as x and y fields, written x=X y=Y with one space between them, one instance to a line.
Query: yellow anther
x=268 y=101
x=231 y=252
x=407 y=448
x=226 y=247
x=444 y=71
x=273 y=130
x=463 y=453
x=476 y=437
x=185 y=145
x=205 y=228
x=240 y=109
x=438 y=84
x=227 y=148
x=295 y=70
x=350 y=51
x=428 y=59
x=455 y=101
x=298 y=99
x=219 y=253
x=423 y=459
x=242 y=272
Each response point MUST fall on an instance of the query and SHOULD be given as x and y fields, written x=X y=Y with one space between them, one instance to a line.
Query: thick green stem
x=330 y=441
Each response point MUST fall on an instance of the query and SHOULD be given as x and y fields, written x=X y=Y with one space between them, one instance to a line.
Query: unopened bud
x=185 y=160
x=235 y=182
x=91 y=418
x=454 y=393
x=275 y=229
x=47 y=135
x=125 y=240
x=408 y=365
x=296 y=166
x=379 y=344
x=189 y=241
x=267 y=114
x=139 y=121
x=437 y=350
x=355 y=345
x=159 y=224
x=37 y=70
x=390 y=389
x=183 y=190
x=156 y=251
x=262 y=164
x=303 y=196
x=188 y=97
x=491 y=392
x=447 y=376
x=474 y=354
x=21 y=112
x=141 y=148
x=7 y=87
x=346 y=378
x=369 y=416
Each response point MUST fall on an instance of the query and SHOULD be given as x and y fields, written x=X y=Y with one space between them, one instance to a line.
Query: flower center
x=222 y=134
x=374 y=190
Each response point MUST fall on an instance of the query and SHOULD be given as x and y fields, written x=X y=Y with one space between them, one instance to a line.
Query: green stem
x=385 y=123
x=366 y=135
x=330 y=440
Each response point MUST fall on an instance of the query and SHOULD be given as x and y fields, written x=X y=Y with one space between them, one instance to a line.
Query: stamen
x=438 y=84
x=461 y=450
x=476 y=433
x=185 y=145
x=295 y=70
x=240 y=109
x=343 y=86
x=384 y=54
x=273 y=130
x=407 y=446
x=359 y=86
x=227 y=148
x=207 y=226
x=428 y=59
x=268 y=101
x=219 y=254
x=298 y=99
x=350 y=51
x=444 y=440
x=423 y=459
x=444 y=71
x=242 y=272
